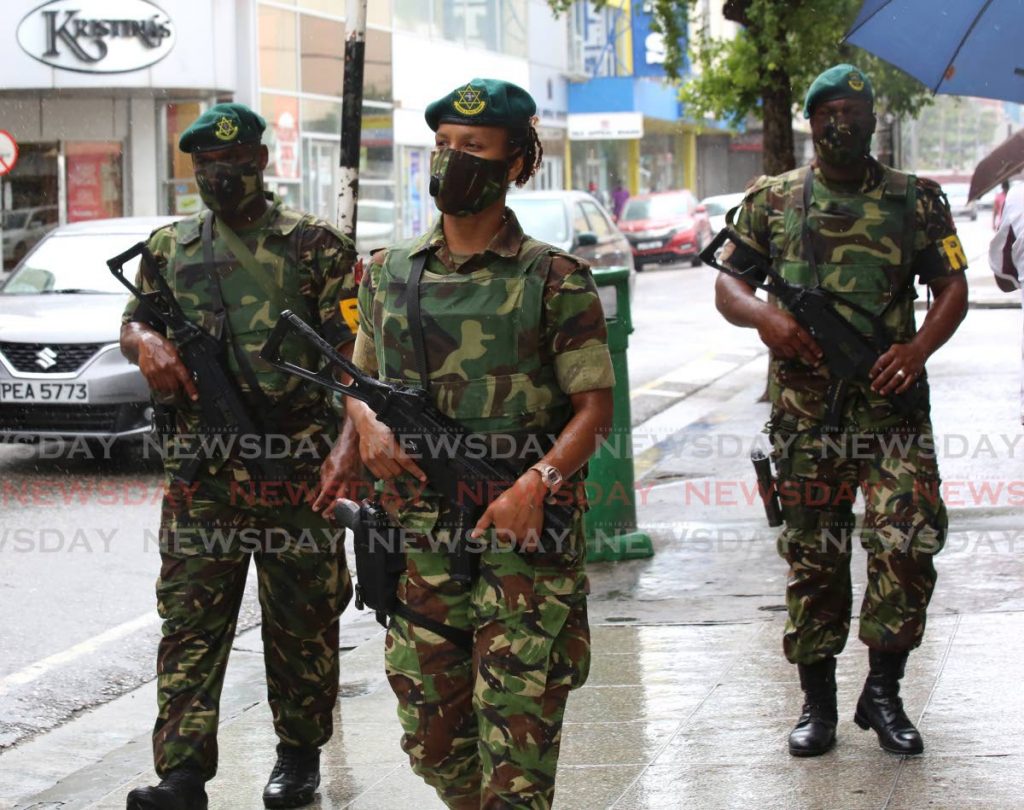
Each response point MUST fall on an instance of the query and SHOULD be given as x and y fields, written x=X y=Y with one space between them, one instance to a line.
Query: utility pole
x=352 y=118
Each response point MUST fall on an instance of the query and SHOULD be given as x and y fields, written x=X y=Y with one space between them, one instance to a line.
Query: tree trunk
x=778 y=125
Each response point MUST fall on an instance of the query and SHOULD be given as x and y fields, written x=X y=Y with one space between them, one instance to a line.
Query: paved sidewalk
x=689 y=700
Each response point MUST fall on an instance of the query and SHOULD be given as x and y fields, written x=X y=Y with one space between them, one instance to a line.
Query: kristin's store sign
x=97 y=36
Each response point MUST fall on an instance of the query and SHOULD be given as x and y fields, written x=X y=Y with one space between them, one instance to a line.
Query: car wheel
x=638 y=265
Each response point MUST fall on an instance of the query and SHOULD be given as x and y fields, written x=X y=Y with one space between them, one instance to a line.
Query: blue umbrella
x=959 y=47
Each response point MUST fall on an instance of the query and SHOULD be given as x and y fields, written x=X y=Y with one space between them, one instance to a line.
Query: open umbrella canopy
x=1000 y=164
x=958 y=47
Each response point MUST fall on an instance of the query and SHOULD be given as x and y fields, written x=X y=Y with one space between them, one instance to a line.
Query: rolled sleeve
x=576 y=333
x=332 y=258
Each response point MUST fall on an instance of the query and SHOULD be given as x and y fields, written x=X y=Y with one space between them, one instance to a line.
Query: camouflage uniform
x=210 y=528
x=509 y=334
x=869 y=243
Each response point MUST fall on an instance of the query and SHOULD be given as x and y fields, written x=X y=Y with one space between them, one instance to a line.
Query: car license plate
x=648 y=245
x=40 y=391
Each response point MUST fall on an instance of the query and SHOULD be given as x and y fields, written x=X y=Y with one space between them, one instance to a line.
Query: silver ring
x=901 y=373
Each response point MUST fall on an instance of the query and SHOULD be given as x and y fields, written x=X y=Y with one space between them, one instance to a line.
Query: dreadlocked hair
x=525 y=143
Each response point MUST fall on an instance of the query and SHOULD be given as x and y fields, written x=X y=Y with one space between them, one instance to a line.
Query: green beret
x=220 y=126
x=840 y=81
x=484 y=103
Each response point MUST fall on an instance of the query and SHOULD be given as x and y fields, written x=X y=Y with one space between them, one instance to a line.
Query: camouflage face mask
x=842 y=144
x=463 y=184
x=228 y=186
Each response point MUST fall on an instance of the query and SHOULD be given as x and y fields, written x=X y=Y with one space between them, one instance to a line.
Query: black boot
x=815 y=731
x=182 y=789
x=295 y=777
x=881 y=708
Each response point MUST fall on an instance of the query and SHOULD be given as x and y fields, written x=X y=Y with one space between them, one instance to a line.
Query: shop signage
x=8 y=152
x=97 y=36
x=605 y=126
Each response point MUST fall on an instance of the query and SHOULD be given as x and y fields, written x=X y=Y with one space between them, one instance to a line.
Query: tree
x=765 y=69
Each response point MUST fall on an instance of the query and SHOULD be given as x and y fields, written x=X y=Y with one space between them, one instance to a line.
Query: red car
x=667 y=226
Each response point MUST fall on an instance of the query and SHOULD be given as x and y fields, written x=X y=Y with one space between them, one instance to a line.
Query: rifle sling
x=463 y=639
x=415 y=317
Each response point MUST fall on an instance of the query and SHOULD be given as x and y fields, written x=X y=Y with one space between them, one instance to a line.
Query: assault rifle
x=848 y=354
x=221 y=406
x=442 y=447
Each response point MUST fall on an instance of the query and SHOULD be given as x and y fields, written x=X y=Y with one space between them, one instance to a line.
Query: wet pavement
x=689 y=699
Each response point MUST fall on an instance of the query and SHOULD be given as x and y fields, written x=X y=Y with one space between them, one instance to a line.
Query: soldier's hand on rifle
x=381 y=452
x=897 y=369
x=162 y=367
x=780 y=332
x=341 y=474
x=518 y=513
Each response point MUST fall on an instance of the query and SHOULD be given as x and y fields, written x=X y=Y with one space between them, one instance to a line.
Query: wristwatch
x=550 y=475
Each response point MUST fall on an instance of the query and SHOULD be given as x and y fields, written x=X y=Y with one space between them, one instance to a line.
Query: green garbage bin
x=611 y=521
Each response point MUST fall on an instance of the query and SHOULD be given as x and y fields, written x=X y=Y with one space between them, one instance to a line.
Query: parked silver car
x=23 y=227
x=61 y=369
x=575 y=222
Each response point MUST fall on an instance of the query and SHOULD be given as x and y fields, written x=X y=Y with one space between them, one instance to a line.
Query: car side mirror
x=586 y=239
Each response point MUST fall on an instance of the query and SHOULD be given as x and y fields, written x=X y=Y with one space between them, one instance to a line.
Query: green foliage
x=788 y=41
x=781 y=40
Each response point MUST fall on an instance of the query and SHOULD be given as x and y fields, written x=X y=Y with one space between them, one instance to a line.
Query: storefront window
x=377 y=68
x=333 y=7
x=320 y=116
x=282 y=136
x=513 y=27
x=323 y=55
x=94 y=180
x=451 y=23
x=415 y=16
x=180 y=193
x=279 y=64
x=379 y=13
x=31 y=199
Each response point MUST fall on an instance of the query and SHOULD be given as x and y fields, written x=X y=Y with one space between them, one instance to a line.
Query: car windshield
x=15 y=219
x=543 y=219
x=663 y=206
x=956 y=191
x=78 y=263
x=719 y=205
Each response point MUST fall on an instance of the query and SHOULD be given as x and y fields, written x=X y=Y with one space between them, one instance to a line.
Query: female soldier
x=509 y=338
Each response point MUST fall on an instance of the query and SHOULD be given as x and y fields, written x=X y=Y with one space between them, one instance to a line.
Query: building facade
x=96 y=93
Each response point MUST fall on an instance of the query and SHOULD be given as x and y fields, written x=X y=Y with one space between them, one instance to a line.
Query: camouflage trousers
x=208 y=535
x=484 y=728
x=904 y=526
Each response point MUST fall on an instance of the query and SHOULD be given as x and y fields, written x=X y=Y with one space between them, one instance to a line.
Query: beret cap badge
x=856 y=82
x=226 y=130
x=469 y=101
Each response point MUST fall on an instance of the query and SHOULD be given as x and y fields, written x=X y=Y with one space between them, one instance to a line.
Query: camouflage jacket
x=868 y=245
x=509 y=335
x=310 y=264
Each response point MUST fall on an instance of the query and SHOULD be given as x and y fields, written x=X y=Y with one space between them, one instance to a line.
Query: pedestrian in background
x=233 y=270
x=513 y=343
x=620 y=196
x=862 y=232
x=1006 y=256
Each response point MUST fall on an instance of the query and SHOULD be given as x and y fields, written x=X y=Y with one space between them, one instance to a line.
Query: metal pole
x=352 y=119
